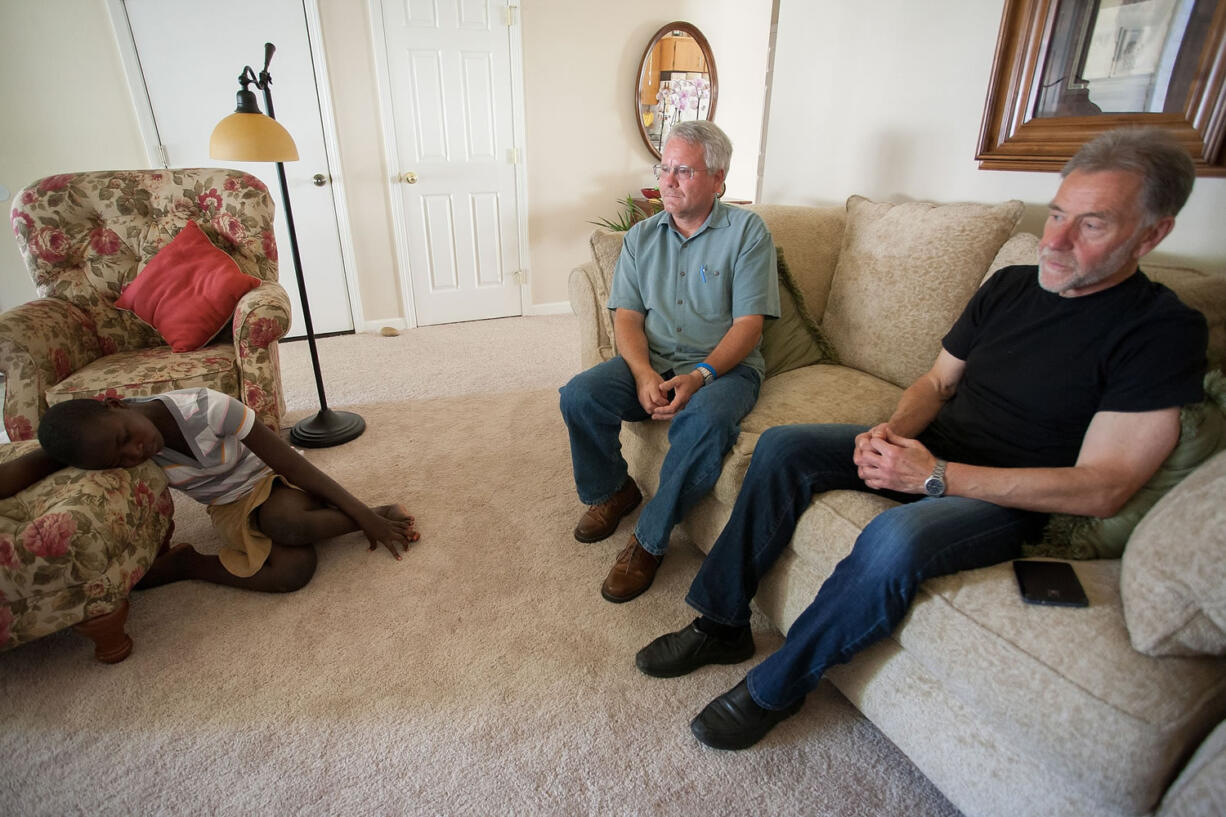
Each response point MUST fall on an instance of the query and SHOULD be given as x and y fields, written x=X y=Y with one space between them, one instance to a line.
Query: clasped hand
x=887 y=461
x=654 y=394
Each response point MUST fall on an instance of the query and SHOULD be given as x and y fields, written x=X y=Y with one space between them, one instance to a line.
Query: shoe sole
x=623 y=599
x=587 y=540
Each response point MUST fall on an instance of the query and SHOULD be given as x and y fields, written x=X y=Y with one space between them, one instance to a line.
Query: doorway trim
x=323 y=93
x=374 y=10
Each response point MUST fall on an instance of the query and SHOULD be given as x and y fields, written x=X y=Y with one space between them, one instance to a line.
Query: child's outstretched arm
x=22 y=472
x=288 y=463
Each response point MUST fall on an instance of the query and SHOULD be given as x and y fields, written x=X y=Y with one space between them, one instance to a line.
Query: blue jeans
x=871 y=589
x=594 y=404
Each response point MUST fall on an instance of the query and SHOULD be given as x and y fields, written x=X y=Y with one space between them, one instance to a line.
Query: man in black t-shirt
x=1056 y=391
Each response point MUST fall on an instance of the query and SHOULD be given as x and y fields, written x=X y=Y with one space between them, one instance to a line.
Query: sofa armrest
x=41 y=343
x=1200 y=789
x=261 y=318
x=596 y=343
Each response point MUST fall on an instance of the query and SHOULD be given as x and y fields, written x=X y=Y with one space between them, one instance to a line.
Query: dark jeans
x=871 y=589
x=594 y=404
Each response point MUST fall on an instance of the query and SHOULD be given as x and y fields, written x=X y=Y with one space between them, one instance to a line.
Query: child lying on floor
x=267 y=502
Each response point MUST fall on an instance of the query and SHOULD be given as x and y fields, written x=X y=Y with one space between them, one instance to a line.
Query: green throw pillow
x=793 y=339
x=1202 y=434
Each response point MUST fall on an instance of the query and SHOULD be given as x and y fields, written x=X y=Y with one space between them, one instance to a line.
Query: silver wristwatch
x=935 y=484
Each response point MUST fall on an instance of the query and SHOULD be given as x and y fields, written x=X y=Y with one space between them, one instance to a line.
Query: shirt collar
x=718 y=217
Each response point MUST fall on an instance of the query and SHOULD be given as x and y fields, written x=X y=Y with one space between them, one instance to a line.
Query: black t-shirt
x=1039 y=366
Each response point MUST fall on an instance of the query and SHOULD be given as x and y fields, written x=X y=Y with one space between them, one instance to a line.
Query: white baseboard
x=555 y=308
x=530 y=310
x=373 y=327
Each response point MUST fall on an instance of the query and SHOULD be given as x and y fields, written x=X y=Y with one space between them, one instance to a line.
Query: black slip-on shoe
x=684 y=651
x=734 y=720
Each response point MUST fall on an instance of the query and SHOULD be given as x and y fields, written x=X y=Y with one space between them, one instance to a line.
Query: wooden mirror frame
x=638 y=79
x=1010 y=138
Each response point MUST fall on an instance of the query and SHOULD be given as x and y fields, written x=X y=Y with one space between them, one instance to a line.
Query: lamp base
x=326 y=429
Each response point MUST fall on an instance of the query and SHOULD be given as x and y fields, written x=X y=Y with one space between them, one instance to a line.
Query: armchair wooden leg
x=111 y=643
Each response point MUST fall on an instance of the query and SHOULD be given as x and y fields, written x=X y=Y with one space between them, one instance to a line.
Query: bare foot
x=397 y=513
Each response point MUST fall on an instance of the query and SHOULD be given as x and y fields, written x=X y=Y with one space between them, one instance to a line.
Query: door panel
x=191 y=54
x=450 y=78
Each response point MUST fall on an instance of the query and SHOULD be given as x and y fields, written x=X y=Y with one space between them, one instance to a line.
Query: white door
x=191 y=54
x=449 y=75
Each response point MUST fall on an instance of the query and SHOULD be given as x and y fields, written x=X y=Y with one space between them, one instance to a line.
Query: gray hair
x=716 y=147
x=1166 y=170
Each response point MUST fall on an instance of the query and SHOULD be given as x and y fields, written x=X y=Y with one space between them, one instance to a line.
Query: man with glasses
x=690 y=292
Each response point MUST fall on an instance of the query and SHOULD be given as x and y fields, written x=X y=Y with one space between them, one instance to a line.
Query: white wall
x=884 y=98
x=67 y=107
x=64 y=106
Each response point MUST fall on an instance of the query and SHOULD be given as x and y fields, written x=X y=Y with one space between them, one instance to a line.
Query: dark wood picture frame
x=1011 y=138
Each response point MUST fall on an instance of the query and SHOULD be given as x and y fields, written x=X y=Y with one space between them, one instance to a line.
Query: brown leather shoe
x=600 y=521
x=632 y=573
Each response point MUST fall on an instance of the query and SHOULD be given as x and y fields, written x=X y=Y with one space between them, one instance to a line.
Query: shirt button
x=682 y=273
x=678 y=328
x=679 y=303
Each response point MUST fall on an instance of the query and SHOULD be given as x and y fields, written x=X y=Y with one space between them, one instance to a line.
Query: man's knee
x=580 y=394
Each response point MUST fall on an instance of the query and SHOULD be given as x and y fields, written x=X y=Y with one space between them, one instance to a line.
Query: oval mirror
x=676 y=82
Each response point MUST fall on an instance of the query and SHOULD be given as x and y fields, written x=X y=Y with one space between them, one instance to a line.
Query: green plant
x=629 y=213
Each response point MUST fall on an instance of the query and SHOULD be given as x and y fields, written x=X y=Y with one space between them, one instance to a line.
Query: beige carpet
x=483 y=675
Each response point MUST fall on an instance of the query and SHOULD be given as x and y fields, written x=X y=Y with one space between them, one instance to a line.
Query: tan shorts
x=245 y=547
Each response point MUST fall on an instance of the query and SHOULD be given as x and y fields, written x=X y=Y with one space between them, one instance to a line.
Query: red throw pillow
x=188 y=290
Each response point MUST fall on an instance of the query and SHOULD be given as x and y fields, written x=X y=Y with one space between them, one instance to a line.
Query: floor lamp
x=247 y=135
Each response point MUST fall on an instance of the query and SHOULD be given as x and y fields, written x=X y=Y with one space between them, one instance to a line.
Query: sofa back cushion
x=813 y=237
x=904 y=274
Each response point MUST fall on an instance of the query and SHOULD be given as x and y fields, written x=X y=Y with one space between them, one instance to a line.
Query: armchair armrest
x=596 y=343
x=41 y=343
x=75 y=543
x=261 y=318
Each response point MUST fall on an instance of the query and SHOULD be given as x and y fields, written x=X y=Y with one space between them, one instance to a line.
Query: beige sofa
x=1009 y=708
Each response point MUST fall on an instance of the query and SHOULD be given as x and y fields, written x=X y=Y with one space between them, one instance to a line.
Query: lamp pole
x=327 y=427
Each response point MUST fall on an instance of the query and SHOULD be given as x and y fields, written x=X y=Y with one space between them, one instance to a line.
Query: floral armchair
x=84 y=237
x=72 y=546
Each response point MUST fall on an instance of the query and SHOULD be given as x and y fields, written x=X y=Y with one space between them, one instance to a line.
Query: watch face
x=934 y=486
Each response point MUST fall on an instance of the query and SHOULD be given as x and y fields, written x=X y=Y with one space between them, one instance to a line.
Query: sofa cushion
x=793 y=339
x=188 y=290
x=1173 y=581
x=905 y=272
x=1202 y=434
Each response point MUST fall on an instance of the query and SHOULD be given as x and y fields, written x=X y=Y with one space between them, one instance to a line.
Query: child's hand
x=390 y=525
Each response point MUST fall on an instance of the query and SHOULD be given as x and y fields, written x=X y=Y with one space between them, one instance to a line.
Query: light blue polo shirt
x=690 y=289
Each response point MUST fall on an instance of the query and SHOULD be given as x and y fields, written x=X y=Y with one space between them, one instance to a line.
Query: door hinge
x=520 y=277
x=512 y=156
x=508 y=14
x=164 y=155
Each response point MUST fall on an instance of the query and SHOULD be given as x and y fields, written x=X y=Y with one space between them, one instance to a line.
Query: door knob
x=409 y=178
x=319 y=179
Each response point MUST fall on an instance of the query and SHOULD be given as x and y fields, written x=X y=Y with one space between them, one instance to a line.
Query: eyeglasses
x=680 y=171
